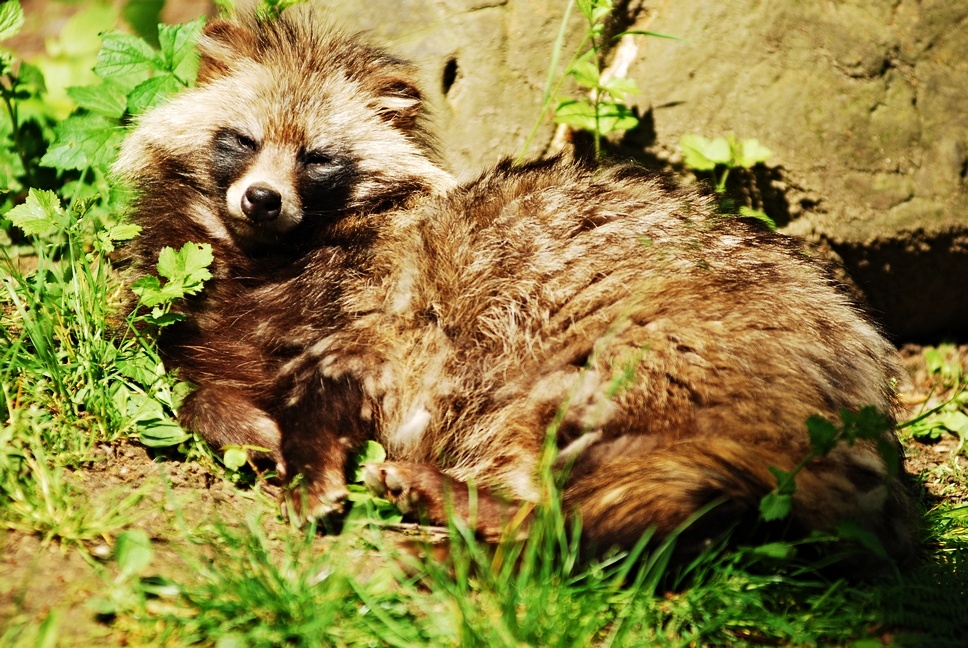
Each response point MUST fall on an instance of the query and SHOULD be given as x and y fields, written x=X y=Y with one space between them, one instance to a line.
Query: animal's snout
x=261 y=203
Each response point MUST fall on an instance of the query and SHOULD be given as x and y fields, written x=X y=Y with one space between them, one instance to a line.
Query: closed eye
x=317 y=158
x=245 y=142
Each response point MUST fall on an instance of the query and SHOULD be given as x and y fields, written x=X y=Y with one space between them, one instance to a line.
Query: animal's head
x=291 y=126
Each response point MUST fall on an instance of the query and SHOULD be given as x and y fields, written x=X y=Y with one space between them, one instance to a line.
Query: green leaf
x=577 y=113
x=41 y=212
x=142 y=368
x=956 y=422
x=372 y=452
x=133 y=551
x=621 y=88
x=776 y=506
x=749 y=153
x=234 y=458
x=152 y=92
x=123 y=54
x=643 y=32
x=30 y=79
x=824 y=435
x=775 y=550
x=928 y=429
x=785 y=484
x=82 y=142
x=107 y=98
x=188 y=266
x=702 y=154
x=124 y=232
x=160 y=433
x=80 y=37
x=749 y=212
x=585 y=72
x=178 y=48
x=615 y=117
x=934 y=360
x=11 y=19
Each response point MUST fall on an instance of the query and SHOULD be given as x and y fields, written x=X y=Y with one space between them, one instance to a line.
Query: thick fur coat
x=360 y=292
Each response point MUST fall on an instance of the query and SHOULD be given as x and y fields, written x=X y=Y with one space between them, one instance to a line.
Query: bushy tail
x=662 y=487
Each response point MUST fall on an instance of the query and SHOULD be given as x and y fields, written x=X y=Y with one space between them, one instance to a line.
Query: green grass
x=199 y=555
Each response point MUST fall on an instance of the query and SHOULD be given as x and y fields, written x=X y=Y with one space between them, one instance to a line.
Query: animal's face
x=290 y=128
x=271 y=185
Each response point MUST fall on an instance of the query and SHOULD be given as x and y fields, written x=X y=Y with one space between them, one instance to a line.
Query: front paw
x=393 y=481
x=308 y=502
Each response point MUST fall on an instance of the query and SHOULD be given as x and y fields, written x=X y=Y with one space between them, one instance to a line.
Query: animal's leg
x=422 y=491
x=224 y=417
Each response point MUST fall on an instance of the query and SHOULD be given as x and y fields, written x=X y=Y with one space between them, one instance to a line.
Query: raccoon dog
x=360 y=292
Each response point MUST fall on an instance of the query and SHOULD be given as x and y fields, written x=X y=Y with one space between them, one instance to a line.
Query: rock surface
x=864 y=105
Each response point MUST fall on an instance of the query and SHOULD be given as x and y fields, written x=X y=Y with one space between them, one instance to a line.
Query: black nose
x=261 y=203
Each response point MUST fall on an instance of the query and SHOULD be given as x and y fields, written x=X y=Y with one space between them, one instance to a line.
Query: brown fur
x=683 y=351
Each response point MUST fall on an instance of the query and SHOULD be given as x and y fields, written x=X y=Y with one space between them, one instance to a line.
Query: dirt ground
x=182 y=499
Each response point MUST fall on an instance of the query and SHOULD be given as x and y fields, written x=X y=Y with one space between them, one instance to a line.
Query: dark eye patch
x=324 y=168
x=232 y=151
x=326 y=179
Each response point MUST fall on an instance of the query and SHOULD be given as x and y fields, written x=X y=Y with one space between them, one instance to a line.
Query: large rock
x=864 y=105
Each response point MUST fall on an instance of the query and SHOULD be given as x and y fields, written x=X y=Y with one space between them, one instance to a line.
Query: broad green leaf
x=776 y=506
x=372 y=452
x=142 y=368
x=934 y=360
x=235 y=458
x=577 y=113
x=956 y=422
x=189 y=265
x=124 y=232
x=152 y=92
x=11 y=19
x=160 y=433
x=133 y=551
x=615 y=117
x=123 y=54
x=823 y=435
x=702 y=154
x=41 y=212
x=621 y=88
x=178 y=48
x=585 y=72
x=748 y=153
x=749 y=212
x=84 y=141
x=107 y=98
x=31 y=79
x=775 y=550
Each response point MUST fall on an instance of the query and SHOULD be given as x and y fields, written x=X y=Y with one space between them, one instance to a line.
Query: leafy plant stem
x=15 y=133
x=551 y=86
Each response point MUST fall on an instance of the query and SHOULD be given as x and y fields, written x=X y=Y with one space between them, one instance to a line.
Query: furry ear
x=220 y=45
x=399 y=102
